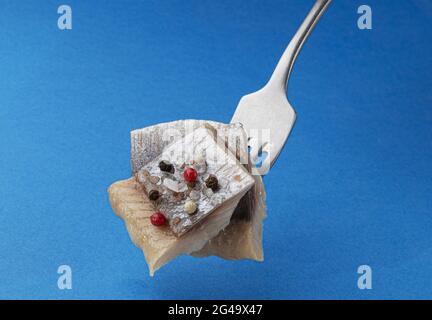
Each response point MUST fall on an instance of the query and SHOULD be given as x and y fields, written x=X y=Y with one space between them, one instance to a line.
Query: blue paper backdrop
x=353 y=185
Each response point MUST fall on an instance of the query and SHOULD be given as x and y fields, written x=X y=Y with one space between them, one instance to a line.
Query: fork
x=266 y=115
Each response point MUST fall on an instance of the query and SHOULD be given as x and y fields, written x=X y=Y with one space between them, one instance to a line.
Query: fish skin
x=147 y=143
x=219 y=161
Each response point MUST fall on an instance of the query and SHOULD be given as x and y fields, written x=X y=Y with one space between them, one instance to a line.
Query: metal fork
x=266 y=115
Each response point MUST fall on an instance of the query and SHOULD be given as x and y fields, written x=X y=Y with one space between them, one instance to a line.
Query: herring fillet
x=160 y=245
x=242 y=238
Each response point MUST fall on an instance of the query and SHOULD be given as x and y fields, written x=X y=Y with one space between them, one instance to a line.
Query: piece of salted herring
x=198 y=147
x=242 y=238
x=160 y=245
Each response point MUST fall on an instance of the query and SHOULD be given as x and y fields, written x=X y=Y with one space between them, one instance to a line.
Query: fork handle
x=280 y=76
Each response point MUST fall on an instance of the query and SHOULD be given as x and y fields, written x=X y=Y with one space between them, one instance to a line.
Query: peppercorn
x=154 y=195
x=166 y=166
x=190 y=207
x=190 y=175
x=157 y=219
x=212 y=182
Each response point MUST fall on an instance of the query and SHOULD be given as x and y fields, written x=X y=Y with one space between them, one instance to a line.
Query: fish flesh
x=160 y=245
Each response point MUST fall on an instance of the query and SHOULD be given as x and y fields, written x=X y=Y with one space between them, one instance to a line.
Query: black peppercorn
x=166 y=166
x=212 y=182
x=154 y=195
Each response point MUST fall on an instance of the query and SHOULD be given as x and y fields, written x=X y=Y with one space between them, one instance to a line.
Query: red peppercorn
x=190 y=175
x=157 y=219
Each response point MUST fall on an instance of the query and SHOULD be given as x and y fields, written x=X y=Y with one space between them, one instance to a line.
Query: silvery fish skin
x=214 y=159
x=147 y=143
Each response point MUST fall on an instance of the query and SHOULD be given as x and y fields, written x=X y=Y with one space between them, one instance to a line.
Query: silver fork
x=266 y=115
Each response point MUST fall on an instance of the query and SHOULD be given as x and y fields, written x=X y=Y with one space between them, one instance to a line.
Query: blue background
x=353 y=185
